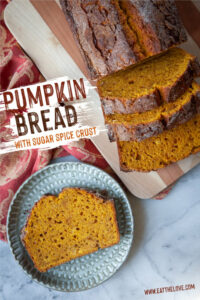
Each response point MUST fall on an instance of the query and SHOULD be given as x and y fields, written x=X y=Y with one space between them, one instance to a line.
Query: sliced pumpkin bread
x=139 y=126
x=75 y=223
x=157 y=152
x=147 y=85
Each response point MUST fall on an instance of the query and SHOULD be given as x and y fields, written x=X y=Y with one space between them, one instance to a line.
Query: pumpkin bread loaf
x=140 y=126
x=114 y=34
x=75 y=223
x=162 y=150
x=147 y=85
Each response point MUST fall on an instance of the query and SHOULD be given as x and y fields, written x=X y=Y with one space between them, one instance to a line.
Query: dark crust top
x=99 y=34
x=102 y=40
x=162 y=16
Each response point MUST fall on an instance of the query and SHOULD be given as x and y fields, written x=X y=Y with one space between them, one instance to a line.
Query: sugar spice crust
x=114 y=34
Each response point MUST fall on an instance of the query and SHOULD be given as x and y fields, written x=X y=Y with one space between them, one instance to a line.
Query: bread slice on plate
x=75 y=223
x=139 y=126
x=157 y=152
x=113 y=35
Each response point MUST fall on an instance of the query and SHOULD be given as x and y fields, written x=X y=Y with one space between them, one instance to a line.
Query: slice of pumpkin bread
x=147 y=85
x=162 y=150
x=140 y=126
x=75 y=223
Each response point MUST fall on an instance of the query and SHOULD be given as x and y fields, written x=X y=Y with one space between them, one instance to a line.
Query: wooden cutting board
x=42 y=31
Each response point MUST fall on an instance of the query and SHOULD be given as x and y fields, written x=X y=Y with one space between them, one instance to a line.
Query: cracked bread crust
x=104 y=41
x=165 y=23
x=154 y=25
x=99 y=34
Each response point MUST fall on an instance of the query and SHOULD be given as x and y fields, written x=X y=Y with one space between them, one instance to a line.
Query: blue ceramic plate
x=87 y=271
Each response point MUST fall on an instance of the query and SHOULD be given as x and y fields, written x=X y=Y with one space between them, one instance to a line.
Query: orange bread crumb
x=147 y=85
x=162 y=150
x=62 y=228
x=140 y=126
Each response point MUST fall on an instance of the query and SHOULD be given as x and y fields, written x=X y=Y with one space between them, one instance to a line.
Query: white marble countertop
x=166 y=252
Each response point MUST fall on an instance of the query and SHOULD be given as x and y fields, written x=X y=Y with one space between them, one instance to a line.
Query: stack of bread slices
x=151 y=110
x=150 y=100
